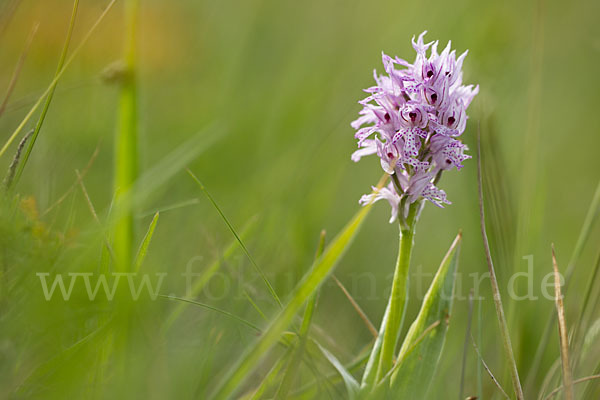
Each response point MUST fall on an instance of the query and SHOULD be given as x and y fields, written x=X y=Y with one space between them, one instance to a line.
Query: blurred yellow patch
x=29 y=207
x=162 y=37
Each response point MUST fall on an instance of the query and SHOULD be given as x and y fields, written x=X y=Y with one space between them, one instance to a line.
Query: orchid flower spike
x=412 y=119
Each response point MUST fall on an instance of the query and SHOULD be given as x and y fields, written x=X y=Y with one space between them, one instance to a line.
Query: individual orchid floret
x=412 y=119
x=448 y=152
x=385 y=193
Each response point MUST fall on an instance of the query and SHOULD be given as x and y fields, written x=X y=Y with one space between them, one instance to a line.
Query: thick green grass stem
x=399 y=294
x=126 y=156
x=125 y=175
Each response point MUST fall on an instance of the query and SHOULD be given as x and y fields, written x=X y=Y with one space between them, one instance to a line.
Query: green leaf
x=271 y=379
x=291 y=371
x=141 y=254
x=351 y=384
x=40 y=122
x=371 y=368
x=422 y=347
x=319 y=271
x=332 y=379
x=81 y=352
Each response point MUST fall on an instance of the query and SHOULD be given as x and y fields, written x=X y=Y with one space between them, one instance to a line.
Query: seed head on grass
x=411 y=120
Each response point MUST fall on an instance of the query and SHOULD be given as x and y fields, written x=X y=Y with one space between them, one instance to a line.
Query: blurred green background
x=278 y=83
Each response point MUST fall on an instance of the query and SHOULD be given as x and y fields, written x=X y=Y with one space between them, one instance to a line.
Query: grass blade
x=209 y=307
x=550 y=377
x=141 y=254
x=84 y=172
x=349 y=381
x=42 y=117
x=237 y=237
x=383 y=390
x=355 y=365
x=489 y=372
x=317 y=355
x=290 y=374
x=357 y=307
x=270 y=379
x=18 y=68
x=422 y=348
x=254 y=305
x=575 y=382
x=208 y=274
x=62 y=359
x=590 y=219
x=583 y=323
x=309 y=284
x=170 y=207
x=161 y=172
x=369 y=375
x=7 y=12
x=312 y=303
x=92 y=209
x=56 y=78
x=588 y=223
x=508 y=350
x=479 y=340
x=463 y=367
x=562 y=331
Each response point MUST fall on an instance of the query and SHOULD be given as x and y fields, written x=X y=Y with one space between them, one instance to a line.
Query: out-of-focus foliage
x=280 y=80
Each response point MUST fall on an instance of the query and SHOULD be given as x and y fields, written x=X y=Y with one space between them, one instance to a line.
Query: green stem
x=126 y=158
x=398 y=297
x=125 y=174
